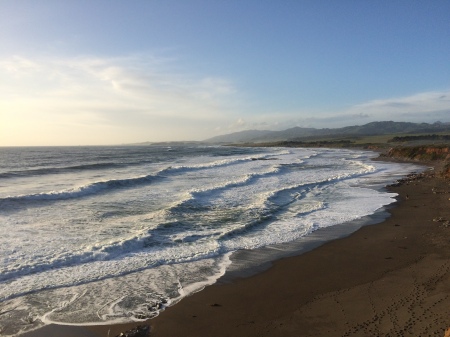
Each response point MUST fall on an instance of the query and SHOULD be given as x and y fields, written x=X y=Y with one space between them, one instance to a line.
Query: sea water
x=93 y=235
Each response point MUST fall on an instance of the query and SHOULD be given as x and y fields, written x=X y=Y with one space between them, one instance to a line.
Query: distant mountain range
x=309 y=134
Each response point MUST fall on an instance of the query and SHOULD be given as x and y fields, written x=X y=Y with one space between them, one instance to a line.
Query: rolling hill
x=309 y=134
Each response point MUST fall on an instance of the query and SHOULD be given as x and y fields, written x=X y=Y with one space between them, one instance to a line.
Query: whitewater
x=94 y=235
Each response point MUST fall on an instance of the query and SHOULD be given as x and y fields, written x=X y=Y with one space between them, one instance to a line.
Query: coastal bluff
x=439 y=155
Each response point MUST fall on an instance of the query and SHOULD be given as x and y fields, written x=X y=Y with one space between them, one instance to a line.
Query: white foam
x=169 y=235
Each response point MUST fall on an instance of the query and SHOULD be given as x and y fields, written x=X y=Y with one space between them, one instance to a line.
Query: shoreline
x=378 y=280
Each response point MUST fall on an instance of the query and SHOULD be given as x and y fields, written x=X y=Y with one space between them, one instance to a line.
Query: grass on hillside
x=381 y=141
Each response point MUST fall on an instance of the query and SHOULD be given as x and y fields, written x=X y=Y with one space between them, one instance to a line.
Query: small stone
x=139 y=331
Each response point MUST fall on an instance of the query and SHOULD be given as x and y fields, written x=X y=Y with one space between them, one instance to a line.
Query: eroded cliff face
x=445 y=172
x=425 y=153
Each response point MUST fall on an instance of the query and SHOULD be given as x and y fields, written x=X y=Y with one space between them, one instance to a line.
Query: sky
x=83 y=72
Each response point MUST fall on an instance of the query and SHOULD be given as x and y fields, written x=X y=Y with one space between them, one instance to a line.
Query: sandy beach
x=388 y=279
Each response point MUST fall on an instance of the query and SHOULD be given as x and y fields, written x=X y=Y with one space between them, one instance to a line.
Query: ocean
x=93 y=235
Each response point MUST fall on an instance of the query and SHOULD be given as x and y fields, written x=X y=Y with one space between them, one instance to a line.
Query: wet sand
x=388 y=279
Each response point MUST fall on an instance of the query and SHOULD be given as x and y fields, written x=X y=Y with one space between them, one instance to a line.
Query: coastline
x=386 y=279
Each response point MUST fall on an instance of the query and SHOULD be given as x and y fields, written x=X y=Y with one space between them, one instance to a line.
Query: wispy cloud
x=131 y=83
x=421 y=107
x=94 y=100
x=129 y=91
x=418 y=104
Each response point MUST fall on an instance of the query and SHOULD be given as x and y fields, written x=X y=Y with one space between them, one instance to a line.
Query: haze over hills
x=302 y=134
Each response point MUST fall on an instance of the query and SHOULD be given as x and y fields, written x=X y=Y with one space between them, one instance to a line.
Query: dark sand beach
x=388 y=279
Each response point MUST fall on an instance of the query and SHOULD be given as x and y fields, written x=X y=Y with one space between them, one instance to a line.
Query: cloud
x=239 y=123
x=418 y=104
x=84 y=93
x=105 y=100
x=18 y=65
x=421 y=107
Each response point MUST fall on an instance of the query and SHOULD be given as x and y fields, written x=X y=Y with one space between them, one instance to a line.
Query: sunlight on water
x=99 y=234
